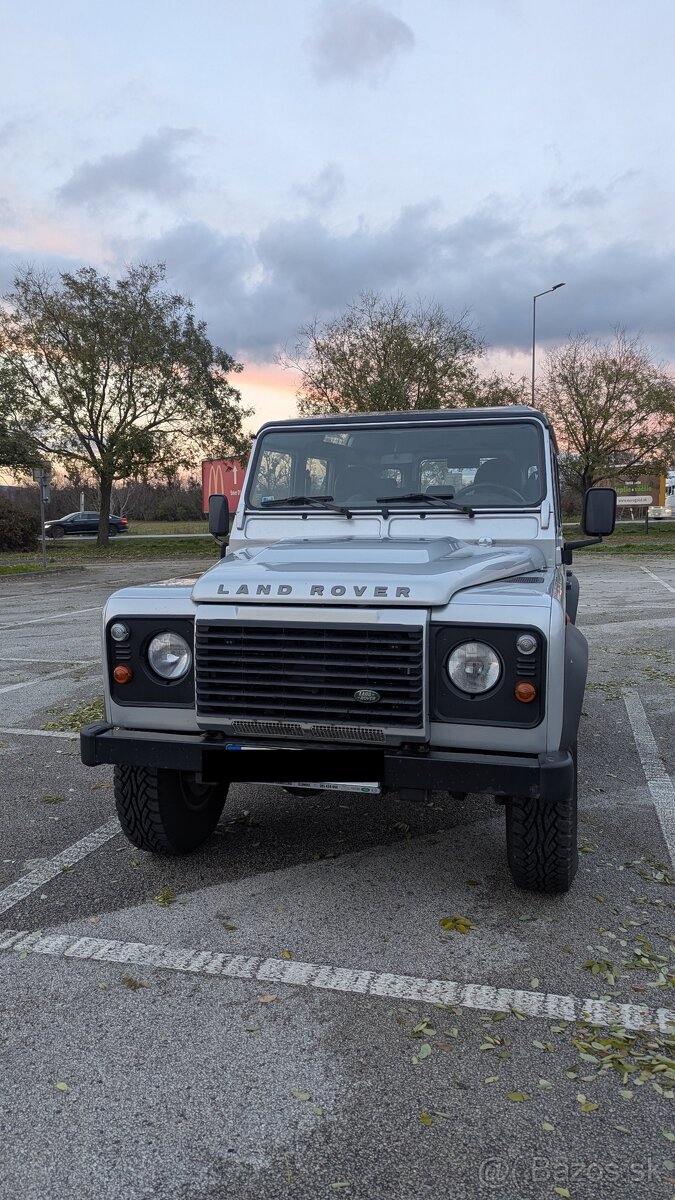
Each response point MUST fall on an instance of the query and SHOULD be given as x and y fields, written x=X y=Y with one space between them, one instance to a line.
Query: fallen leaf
x=666 y=1133
x=268 y=999
x=561 y=1191
x=548 y=1126
x=302 y=1095
x=286 y=954
x=534 y=983
x=424 y=1051
x=588 y=1106
x=229 y=928
x=340 y=1183
x=460 y=924
x=425 y=1118
x=165 y=897
x=61 y=1087
x=133 y=984
x=318 y=1112
x=53 y=799
x=518 y=1097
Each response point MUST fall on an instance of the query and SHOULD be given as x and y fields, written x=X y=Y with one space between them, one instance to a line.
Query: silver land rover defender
x=394 y=612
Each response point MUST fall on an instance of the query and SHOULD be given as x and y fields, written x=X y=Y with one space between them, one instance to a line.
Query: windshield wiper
x=325 y=502
x=428 y=498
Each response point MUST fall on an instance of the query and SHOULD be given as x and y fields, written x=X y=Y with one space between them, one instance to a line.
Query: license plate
x=368 y=789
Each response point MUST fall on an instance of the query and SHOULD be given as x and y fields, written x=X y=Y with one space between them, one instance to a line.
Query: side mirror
x=599 y=516
x=219 y=516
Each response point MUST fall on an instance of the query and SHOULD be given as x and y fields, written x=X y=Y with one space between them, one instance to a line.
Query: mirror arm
x=578 y=545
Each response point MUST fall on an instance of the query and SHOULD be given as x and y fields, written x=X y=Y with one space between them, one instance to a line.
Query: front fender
x=576 y=670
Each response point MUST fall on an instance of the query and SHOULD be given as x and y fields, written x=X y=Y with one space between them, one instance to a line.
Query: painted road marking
x=14 y=687
x=48 y=870
x=73 y=612
x=658 y=580
x=638 y=625
x=658 y=780
x=75 y=662
x=338 y=979
x=57 y=733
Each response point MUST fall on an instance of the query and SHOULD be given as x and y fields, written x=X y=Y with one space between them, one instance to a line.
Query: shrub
x=19 y=530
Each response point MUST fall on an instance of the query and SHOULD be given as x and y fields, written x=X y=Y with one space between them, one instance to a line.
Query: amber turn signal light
x=525 y=692
x=123 y=674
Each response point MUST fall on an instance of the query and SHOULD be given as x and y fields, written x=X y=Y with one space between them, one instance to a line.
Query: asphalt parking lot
x=168 y=1029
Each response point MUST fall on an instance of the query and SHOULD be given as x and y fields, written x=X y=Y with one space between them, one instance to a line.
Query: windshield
x=482 y=464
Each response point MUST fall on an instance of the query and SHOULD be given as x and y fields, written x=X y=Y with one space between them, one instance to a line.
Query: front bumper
x=548 y=777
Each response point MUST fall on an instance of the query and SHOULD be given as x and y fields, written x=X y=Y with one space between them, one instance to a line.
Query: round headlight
x=474 y=667
x=119 y=632
x=169 y=656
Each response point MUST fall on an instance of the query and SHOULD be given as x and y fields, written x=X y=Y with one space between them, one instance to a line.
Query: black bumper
x=548 y=777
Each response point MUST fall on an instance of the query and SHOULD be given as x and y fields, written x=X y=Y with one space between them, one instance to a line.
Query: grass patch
x=168 y=526
x=76 y=553
x=66 y=720
x=631 y=539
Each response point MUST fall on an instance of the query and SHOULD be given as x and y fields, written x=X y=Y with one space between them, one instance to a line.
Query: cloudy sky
x=282 y=155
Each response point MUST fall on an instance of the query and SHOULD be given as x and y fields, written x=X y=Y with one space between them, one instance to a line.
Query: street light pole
x=534 y=326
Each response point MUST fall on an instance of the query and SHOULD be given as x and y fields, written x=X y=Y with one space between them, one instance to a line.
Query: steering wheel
x=468 y=493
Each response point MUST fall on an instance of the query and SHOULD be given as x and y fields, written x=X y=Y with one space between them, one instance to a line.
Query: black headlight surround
x=146 y=689
x=498 y=706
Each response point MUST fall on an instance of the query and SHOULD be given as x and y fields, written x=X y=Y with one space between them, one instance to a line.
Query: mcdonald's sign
x=222 y=477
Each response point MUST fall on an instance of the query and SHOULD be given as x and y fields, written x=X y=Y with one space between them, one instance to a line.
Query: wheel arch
x=576 y=671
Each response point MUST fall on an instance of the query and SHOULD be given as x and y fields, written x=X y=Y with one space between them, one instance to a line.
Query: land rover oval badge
x=367 y=696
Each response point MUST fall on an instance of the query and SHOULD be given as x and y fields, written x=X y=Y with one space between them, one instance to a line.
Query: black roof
x=415 y=416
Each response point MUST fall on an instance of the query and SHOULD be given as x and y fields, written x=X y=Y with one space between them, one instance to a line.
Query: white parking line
x=658 y=780
x=74 y=662
x=42 y=874
x=14 y=687
x=73 y=612
x=339 y=979
x=57 y=733
x=658 y=580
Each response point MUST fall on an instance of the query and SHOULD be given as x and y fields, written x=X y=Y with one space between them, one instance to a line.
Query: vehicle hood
x=368 y=570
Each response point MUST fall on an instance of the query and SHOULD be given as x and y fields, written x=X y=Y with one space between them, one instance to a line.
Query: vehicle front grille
x=323 y=733
x=311 y=674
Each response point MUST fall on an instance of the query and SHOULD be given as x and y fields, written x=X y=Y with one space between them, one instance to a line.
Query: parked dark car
x=84 y=522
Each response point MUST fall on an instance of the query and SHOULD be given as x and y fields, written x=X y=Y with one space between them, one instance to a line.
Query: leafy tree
x=612 y=406
x=17 y=451
x=115 y=377
x=382 y=355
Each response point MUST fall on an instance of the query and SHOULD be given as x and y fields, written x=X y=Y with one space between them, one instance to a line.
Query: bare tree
x=612 y=406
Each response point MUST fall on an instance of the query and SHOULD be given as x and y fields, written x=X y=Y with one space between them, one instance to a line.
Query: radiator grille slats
x=310 y=673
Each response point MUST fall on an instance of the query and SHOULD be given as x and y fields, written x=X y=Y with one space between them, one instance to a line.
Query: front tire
x=541 y=841
x=112 y=531
x=166 y=812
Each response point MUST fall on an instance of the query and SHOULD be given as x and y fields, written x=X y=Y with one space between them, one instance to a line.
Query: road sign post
x=42 y=476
